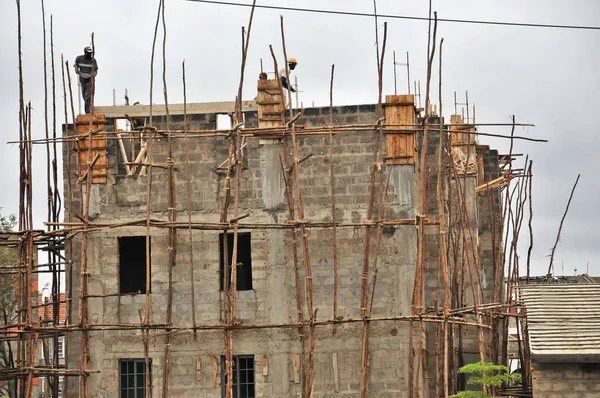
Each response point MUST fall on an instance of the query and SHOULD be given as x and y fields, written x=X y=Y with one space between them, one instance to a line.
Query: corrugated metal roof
x=563 y=321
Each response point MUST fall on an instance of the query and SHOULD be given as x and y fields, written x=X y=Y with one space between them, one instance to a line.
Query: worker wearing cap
x=87 y=68
x=284 y=81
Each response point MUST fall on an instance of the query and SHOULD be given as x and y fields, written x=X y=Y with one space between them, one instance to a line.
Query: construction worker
x=284 y=82
x=87 y=68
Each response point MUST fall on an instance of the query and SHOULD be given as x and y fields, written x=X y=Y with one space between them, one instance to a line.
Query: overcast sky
x=544 y=76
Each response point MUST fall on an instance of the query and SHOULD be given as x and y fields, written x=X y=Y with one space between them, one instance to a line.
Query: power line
x=361 y=14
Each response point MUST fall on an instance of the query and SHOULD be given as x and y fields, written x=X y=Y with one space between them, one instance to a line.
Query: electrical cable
x=361 y=14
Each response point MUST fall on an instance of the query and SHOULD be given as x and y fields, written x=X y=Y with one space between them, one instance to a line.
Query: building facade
x=181 y=302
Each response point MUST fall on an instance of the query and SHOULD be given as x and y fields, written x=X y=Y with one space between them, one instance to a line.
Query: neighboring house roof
x=582 y=278
x=62 y=316
x=563 y=321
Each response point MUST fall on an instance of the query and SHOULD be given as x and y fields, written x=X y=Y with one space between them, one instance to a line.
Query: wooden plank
x=480 y=170
x=496 y=183
x=216 y=378
x=265 y=365
x=400 y=147
x=99 y=142
x=124 y=154
x=98 y=146
x=400 y=99
x=336 y=377
x=198 y=369
x=296 y=365
x=456 y=131
x=271 y=107
x=174 y=109
x=138 y=159
x=97 y=118
x=464 y=151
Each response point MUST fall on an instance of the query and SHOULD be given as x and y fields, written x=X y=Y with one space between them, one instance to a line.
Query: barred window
x=243 y=376
x=132 y=380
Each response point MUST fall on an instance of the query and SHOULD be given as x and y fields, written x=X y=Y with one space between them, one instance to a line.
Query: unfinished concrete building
x=244 y=249
x=327 y=297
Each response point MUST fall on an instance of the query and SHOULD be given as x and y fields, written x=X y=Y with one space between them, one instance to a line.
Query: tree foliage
x=487 y=374
x=8 y=257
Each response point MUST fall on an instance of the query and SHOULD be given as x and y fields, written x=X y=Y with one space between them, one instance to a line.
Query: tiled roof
x=62 y=316
x=563 y=321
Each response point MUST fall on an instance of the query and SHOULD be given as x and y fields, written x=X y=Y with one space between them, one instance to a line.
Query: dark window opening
x=244 y=261
x=132 y=264
x=132 y=378
x=243 y=376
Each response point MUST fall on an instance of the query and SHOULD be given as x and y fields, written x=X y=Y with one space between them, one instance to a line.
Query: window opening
x=132 y=264
x=49 y=345
x=61 y=347
x=224 y=121
x=244 y=261
x=131 y=145
x=243 y=376
x=131 y=151
x=132 y=377
x=122 y=125
x=44 y=386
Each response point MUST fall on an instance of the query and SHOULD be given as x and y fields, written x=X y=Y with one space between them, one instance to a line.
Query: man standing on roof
x=87 y=68
x=284 y=82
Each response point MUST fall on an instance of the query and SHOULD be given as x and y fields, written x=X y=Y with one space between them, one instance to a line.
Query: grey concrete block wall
x=273 y=298
x=566 y=380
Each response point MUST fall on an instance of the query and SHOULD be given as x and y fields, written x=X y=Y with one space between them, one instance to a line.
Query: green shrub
x=486 y=374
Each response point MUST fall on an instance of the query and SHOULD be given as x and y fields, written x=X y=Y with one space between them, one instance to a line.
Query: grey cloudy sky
x=548 y=77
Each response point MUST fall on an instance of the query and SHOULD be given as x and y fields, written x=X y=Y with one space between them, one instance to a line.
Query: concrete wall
x=273 y=298
x=566 y=380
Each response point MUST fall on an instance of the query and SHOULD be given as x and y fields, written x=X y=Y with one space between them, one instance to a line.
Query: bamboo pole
x=530 y=223
x=562 y=220
x=443 y=245
x=304 y=234
x=464 y=221
x=189 y=201
x=364 y=374
x=21 y=294
x=333 y=215
x=418 y=289
x=278 y=132
x=83 y=277
x=55 y=215
x=50 y=202
x=459 y=320
x=507 y=292
x=289 y=194
x=172 y=212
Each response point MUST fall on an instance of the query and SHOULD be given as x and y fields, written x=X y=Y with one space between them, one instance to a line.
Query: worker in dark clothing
x=87 y=68
x=284 y=82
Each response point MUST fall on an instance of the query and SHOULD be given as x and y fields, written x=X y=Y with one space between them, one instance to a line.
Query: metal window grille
x=243 y=376
x=61 y=347
x=132 y=380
